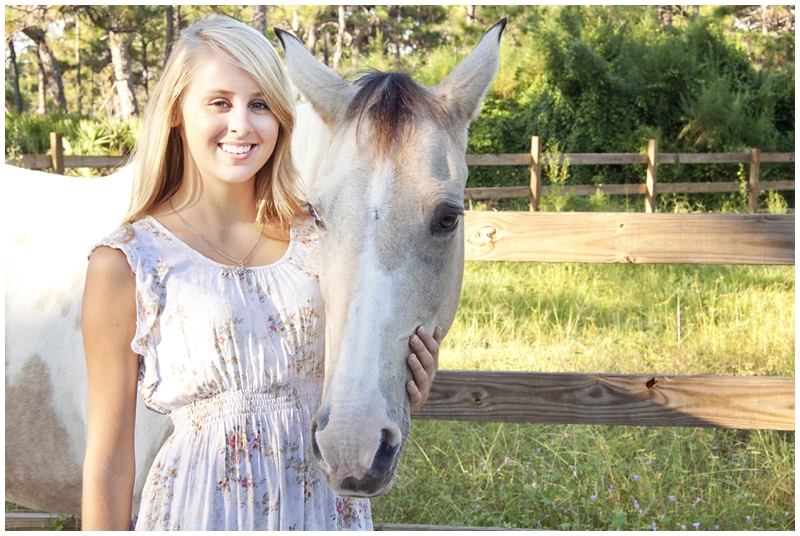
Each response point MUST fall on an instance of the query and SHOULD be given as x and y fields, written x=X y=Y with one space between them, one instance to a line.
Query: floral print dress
x=236 y=359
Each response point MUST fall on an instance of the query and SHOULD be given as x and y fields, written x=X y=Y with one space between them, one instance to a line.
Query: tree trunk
x=14 y=75
x=665 y=14
x=338 y=49
x=169 y=36
x=178 y=19
x=311 y=37
x=355 y=47
x=326 y=52
x=470 y=15
x=260 y=19
x=145 y=70
x=49 y=65
x=42 y=108
x=120 y=44
x=78 y=64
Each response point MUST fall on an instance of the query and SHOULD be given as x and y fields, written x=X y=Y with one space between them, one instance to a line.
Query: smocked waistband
x=244 y=402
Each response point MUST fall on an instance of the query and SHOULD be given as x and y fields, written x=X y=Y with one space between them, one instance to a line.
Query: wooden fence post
x=536 y=173
x=652 y=176
x=755 y=170
x=57 y=152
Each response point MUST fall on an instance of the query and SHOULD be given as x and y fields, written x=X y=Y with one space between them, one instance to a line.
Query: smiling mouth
x=236 y=149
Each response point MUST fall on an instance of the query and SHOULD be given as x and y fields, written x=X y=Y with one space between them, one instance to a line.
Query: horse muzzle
x=358 y=456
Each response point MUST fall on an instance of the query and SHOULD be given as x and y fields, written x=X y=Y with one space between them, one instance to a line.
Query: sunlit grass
x=620 y=319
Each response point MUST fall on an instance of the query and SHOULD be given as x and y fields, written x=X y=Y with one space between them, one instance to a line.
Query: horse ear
x=321 y=85
x=461 y=93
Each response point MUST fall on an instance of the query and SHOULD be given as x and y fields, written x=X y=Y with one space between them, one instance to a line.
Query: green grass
x=607 y=318
x=613 y=319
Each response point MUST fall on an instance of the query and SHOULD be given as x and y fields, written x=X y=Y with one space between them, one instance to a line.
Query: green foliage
x=29 y=133
x=608 y=79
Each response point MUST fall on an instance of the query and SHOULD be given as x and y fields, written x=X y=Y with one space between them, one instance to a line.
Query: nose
x=358 y=456
x=239 y=120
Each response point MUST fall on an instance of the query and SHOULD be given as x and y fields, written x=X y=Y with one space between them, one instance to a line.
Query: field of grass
x=715 y=320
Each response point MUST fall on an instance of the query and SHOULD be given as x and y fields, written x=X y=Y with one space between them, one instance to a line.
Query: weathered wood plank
x=776 y=185
x=36 y=521
x=703 y=158
x=630 y=238
x=511 y=159
x=777 y=157
x=696 y=187
x=30 y=522
x=396 y=526
x=43 y=161
x=497 y=192
x=612 y=399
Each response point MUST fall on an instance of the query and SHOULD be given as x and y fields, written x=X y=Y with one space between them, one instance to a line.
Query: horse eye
x=448 y=222
x=313 y=213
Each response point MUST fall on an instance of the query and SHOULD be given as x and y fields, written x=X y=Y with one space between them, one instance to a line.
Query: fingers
x=426 y=346
x=423 y=362
x=414 y=396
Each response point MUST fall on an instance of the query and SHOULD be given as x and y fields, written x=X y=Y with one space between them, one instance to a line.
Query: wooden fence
x=610 y=399
x=650 y=188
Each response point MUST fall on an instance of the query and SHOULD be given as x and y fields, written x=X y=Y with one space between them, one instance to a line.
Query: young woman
x=208 y=295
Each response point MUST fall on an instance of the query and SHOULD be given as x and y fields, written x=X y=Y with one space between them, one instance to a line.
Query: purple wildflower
x=671 y=498
x=592 y=498
x=635 y=478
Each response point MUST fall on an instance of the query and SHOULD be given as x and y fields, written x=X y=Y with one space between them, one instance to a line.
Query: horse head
x=388 y=204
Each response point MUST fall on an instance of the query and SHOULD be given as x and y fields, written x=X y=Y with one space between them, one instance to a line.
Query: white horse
x=386 y=171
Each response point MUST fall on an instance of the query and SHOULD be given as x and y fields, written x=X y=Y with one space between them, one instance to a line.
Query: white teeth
x=236 y=149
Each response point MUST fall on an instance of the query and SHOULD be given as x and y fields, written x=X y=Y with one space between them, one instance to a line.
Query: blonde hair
x=158 y=152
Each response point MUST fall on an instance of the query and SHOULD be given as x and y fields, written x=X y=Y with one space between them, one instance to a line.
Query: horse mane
x=390 y=101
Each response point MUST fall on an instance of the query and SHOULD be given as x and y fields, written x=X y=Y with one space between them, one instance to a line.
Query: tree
x=48 y=67
x=121 y=24
x=14 y=74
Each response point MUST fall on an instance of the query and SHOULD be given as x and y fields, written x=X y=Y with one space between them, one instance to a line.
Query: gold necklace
x=212 y=246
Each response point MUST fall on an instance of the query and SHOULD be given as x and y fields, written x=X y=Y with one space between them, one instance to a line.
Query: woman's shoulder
x=131 y=237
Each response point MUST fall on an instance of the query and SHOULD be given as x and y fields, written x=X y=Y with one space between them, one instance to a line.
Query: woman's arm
x=424 y=363
x=108 y=322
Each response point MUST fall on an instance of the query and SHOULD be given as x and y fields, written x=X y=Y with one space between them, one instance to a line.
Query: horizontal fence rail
x=625 y=237
x=650 y=188
x=57 y=161
x=743 y=402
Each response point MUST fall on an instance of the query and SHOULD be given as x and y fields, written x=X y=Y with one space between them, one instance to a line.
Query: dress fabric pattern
x=236 y=359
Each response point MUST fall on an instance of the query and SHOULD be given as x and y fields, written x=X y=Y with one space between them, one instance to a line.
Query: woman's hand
x=423 y=362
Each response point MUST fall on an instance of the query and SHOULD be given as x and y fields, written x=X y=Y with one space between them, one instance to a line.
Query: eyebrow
x=225 y=92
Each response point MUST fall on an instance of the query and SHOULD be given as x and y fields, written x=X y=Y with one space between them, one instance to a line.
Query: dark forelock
x=390 y=101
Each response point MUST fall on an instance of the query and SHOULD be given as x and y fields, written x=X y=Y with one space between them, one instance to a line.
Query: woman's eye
x=260 y=106
x=220 y=104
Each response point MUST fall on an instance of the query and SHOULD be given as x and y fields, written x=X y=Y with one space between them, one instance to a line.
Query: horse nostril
x=387 y=450
x=390 y=437
x=314 y=445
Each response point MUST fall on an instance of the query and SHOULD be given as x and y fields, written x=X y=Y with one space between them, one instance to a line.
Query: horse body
x=52 y=222
x=387 y=189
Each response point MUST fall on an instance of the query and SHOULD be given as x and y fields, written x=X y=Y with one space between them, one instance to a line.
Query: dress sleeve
x=149 y=294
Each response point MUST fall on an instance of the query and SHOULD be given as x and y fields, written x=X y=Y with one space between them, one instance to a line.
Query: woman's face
x=227 y=127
